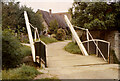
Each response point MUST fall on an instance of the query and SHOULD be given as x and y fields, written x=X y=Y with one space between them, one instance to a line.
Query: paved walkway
x=73 y=66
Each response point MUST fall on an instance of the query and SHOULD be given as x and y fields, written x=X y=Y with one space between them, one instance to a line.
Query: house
x=49 y=16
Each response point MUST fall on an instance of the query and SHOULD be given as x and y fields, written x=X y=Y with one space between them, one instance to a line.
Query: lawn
x=48 y=40
x=23 y=72
x=72 y=47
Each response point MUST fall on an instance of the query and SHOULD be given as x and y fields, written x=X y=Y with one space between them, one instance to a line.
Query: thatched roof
x=59 y=17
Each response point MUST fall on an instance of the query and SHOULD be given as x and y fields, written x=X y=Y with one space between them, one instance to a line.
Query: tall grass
x=48 y=40
x=23 y=72
x=26 y=50
x=72 y=48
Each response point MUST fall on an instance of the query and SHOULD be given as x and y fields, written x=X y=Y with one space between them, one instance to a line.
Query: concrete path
x=73 y=66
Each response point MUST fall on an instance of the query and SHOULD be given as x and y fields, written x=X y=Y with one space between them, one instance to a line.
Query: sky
x=56 y=5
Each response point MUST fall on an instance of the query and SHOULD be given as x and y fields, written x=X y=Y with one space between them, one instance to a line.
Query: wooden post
x=35 y=34
x=82 y=48
x=109 y=53
x=87 y=39
x=30 y=36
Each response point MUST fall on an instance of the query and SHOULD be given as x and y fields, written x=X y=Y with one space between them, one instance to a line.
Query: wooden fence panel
x=40 y=50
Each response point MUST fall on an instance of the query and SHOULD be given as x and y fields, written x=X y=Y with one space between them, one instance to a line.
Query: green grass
x=48 y=40
x=48 y=79
x=23 y=72
x=72 y=48
x=26 y=50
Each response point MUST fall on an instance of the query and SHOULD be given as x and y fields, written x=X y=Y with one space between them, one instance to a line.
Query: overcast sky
x=55 y=5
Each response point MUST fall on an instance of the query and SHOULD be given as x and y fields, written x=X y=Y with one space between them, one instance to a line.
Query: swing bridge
x=90 y=46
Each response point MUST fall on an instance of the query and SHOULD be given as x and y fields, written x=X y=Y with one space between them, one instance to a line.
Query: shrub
x=60 y=34
x=23 y=72
x=53 y=27
x=25 y=50
x=48 y=40
x=72 y=48
x=11 y=52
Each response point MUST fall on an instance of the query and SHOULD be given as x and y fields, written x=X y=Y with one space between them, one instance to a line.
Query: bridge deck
x=73 y=66
x=59 y=58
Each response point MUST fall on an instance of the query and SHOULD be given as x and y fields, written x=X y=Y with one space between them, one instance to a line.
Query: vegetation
x=26 y=51
x=48 y=40
x=13 y=17
x=53 y=27
x=48 y=79
x=72 y=48
x=96 y=15
x=23 y=72
x=12 y=50
x=60 y=34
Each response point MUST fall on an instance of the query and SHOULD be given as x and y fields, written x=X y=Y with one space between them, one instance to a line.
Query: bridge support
x=30 y=36
x=82 y=48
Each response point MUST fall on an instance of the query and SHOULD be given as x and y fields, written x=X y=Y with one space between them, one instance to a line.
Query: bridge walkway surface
x=65 y=65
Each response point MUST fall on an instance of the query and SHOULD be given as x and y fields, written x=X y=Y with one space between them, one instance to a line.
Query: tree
x=53 y=27
x=95 y=15
x=13 y=17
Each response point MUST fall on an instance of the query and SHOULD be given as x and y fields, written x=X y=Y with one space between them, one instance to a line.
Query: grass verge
x=23 y=72
x=48 y=40
x=48 y=79
x=72 y=48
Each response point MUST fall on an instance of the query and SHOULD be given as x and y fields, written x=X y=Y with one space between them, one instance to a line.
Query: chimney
x=50 y=12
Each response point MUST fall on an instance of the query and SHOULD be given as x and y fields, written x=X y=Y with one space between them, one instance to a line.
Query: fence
x=38 y=47
x=95 y=46
x=40 y=51
x=102 y=45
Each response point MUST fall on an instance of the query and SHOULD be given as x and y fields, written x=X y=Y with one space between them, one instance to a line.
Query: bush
x=72 y=48
x=23 y=72
x=53 y=27
x=47 y=40
x=11 y=52
x=25 y=50
x=60 y=34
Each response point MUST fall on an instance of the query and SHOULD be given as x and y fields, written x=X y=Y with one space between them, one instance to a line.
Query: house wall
x=107 y=36
x=46 y=26
x=111 y=36
x=117 y=45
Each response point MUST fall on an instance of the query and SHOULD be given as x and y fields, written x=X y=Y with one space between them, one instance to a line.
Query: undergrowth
x=23 y=72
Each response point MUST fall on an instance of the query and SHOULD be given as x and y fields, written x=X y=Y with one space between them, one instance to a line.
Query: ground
x=64 y=65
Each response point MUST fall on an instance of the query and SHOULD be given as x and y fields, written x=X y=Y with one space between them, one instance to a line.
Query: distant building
x=49 y=16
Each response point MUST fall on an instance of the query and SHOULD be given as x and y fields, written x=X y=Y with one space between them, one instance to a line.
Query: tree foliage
x=13 y=17
x=53 y=27
x=11 y=52
x=96 y=15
